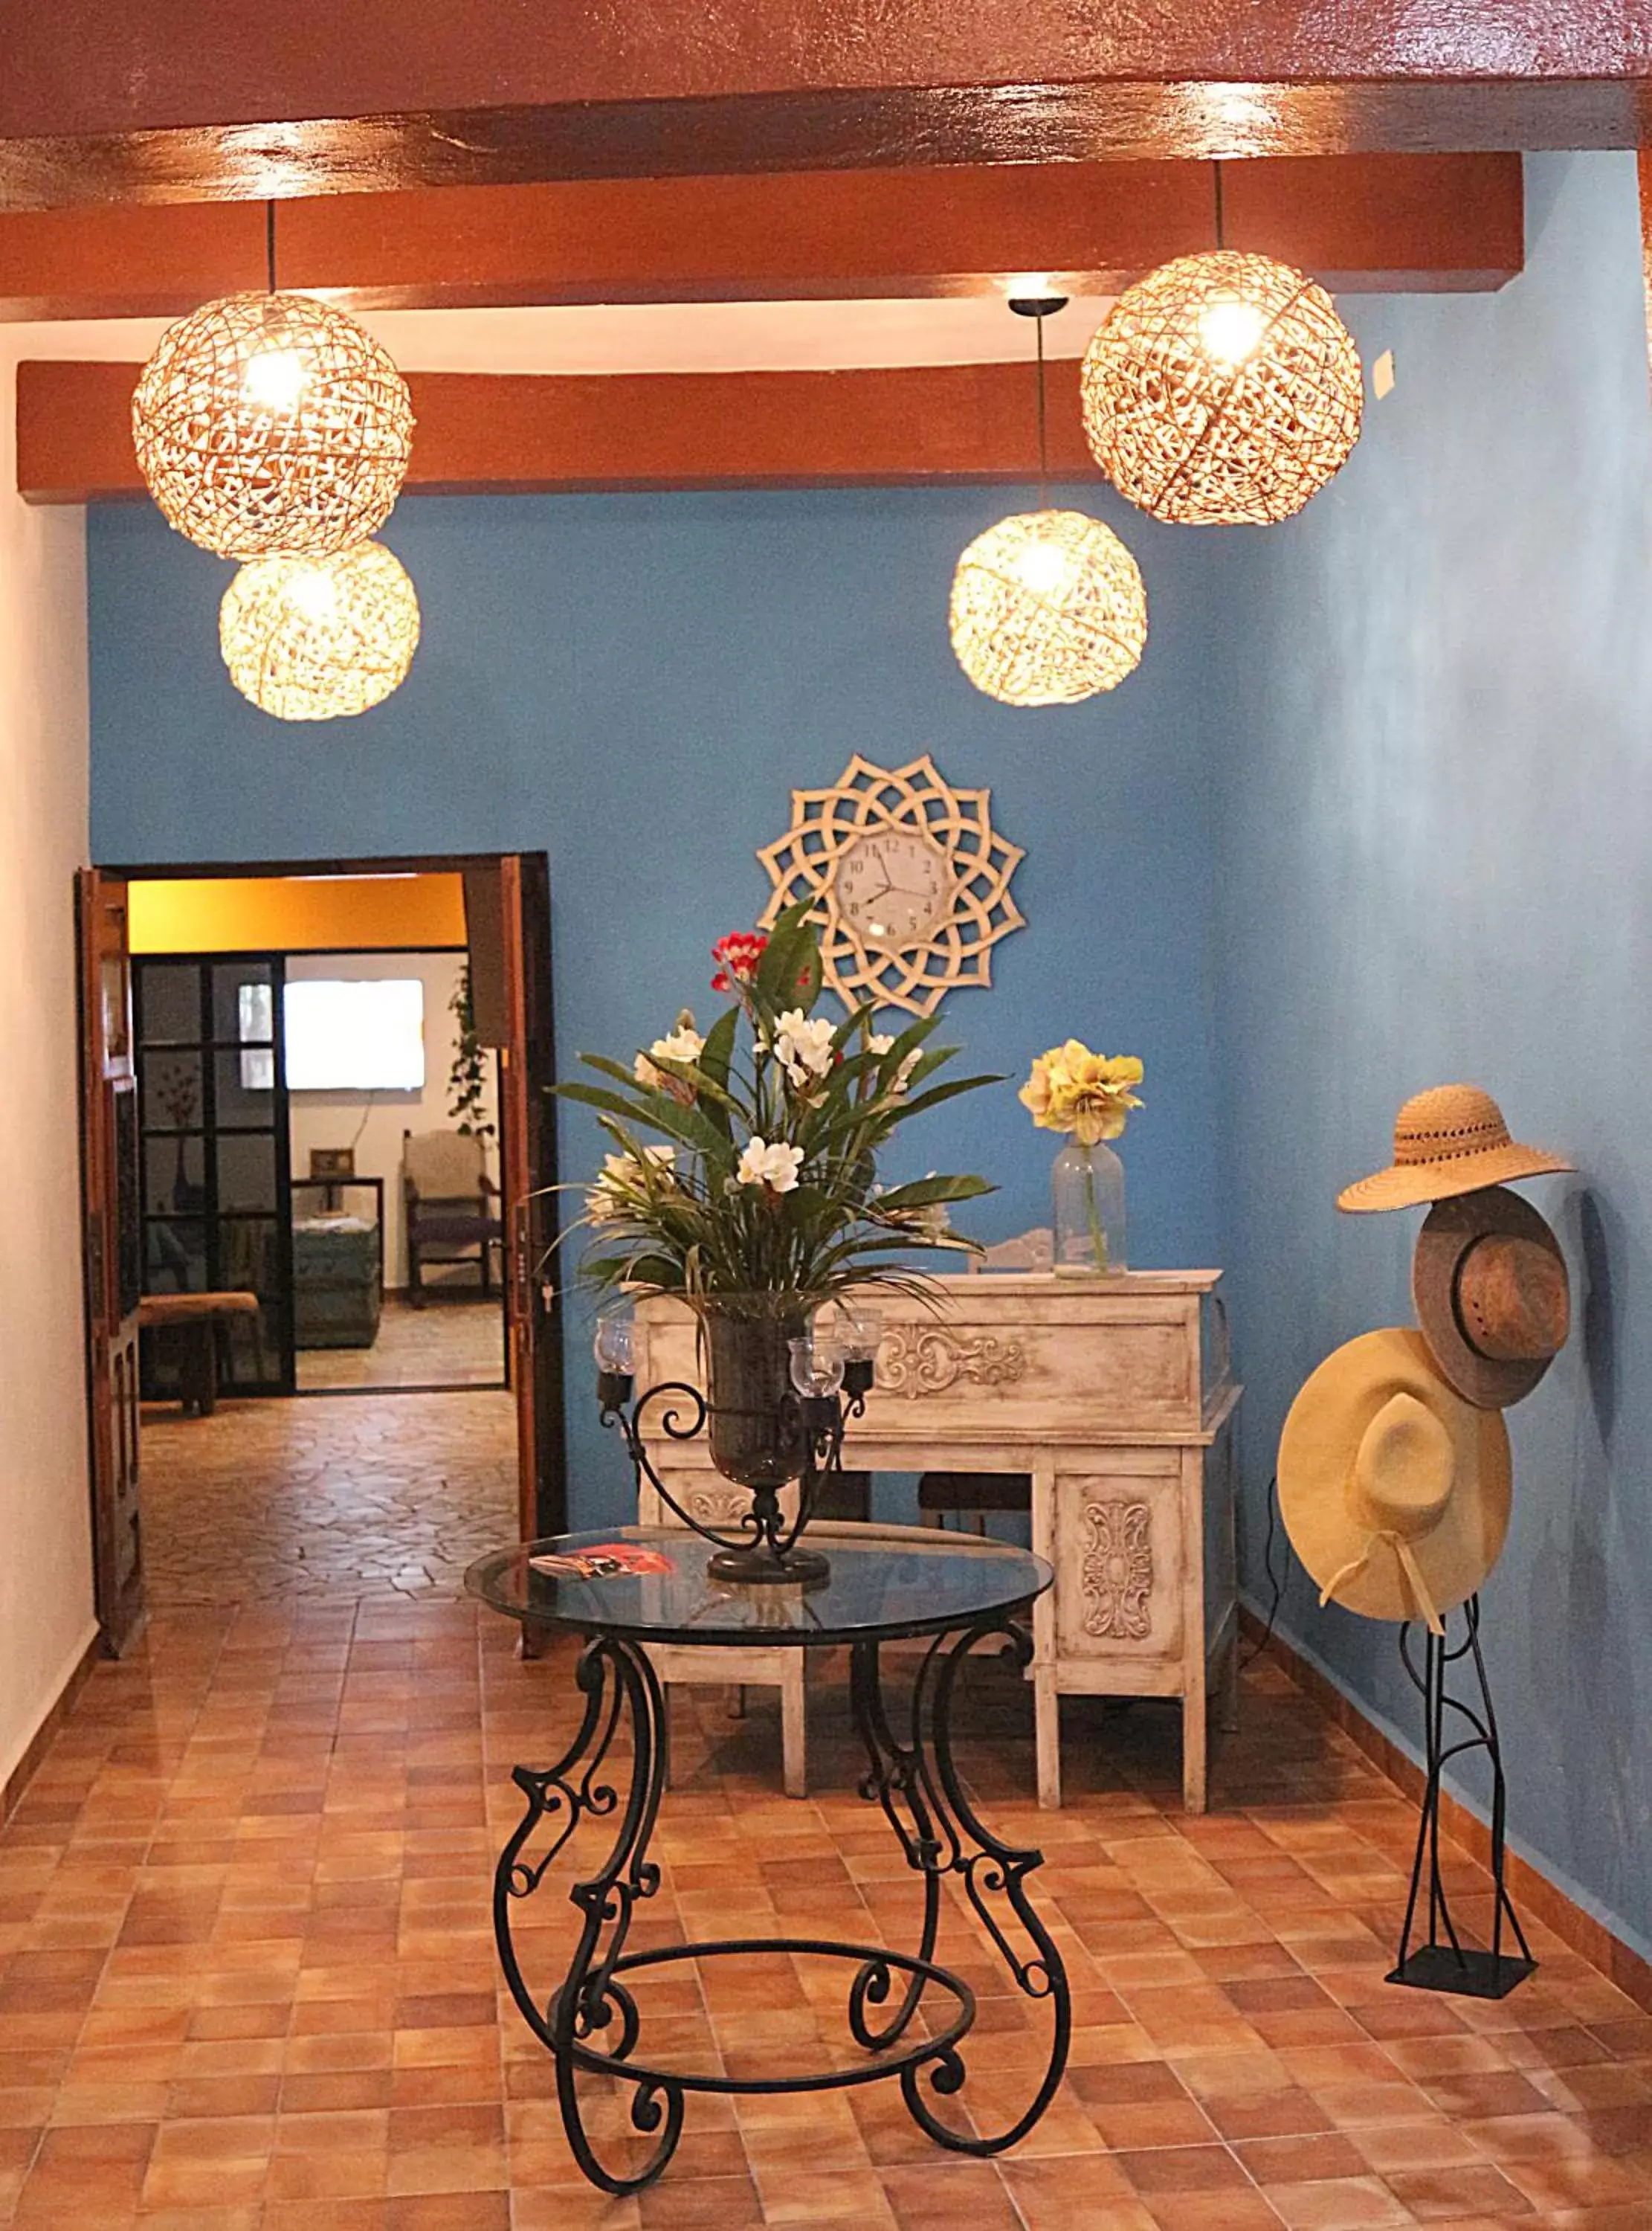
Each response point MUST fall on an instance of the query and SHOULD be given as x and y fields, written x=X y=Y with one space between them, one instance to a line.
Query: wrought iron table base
x=591 y=2023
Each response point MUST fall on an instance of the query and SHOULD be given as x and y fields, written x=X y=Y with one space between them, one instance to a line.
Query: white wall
x=333 y=1119
x=45 y=1602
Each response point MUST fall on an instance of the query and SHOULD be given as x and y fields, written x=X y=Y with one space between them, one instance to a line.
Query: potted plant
x=745 y=1180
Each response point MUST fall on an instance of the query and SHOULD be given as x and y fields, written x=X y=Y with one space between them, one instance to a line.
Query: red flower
x=736 y=956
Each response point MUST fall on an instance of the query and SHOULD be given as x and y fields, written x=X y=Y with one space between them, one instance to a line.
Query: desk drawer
x=1120 y=1558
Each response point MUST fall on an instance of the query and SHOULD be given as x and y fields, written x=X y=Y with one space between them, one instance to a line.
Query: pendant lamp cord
x=270 y=244
x=1043 y=441
x=1220 y=233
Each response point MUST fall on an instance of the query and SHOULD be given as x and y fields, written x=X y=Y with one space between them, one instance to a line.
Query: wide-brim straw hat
x=1449 y=1140
x=1394 y=1491
x=1492 y=1295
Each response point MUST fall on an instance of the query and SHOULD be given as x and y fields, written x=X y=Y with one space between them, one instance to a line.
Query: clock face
x=891 y=886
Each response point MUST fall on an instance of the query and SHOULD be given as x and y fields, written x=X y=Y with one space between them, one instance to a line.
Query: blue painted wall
x=1376 y=813
x=1438 y=865
x=634 y=683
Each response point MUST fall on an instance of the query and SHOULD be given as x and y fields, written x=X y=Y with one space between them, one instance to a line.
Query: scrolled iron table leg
x=618 y=1683
x=917 y=1784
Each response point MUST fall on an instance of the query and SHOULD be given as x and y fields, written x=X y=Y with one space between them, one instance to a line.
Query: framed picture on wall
x=332 y=1161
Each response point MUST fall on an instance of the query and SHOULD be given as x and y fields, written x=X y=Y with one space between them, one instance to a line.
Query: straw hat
x=1394 y=1491
x=1448 y=1141
x=1492 y=1295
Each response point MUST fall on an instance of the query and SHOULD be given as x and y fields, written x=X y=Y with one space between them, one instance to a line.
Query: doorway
x=340 y=1147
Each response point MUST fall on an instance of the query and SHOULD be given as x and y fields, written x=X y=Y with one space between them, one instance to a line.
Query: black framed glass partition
x=213 y=1120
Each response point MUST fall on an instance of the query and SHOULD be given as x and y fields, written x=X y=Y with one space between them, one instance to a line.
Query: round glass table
x=906 y=2017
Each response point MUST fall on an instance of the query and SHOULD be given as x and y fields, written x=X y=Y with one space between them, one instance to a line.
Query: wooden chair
x=449 y=1204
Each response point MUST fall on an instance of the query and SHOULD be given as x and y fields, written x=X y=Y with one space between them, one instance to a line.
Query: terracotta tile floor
x=248 y=1982
x=323 y=1499
x=447 y=1343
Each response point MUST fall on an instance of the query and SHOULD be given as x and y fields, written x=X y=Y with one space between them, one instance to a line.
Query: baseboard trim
x=1534 y=1893
x=56 y=1712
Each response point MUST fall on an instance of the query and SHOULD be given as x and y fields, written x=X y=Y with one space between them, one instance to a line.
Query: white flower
x=775 y=1166
x=621 y=1177
x=881 y=1043
x=804 y=1047
x=684 y=1043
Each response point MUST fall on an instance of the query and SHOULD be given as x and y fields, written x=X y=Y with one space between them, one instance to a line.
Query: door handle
x=521 y=1260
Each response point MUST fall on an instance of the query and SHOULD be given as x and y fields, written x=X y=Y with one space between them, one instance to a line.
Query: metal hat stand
x=1444 y=1962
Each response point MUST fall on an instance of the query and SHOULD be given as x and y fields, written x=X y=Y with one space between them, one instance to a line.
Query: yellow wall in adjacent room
x=297 y=914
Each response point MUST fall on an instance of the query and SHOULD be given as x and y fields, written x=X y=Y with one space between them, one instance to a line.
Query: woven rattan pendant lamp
x=1223 y=389
x=319 y=639
x=1047 y=607
x=272 y=423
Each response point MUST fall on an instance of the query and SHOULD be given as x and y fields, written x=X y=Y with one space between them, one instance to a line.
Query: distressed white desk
x=1102 y=1392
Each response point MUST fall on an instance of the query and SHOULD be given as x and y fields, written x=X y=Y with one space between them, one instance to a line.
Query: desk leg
x=794 y=1755
x=1047 y=1737
x=1195 y=1743
x=1047 y=1702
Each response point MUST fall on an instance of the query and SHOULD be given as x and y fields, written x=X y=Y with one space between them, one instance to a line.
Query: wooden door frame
x=108 y=1075
x=550 y=1495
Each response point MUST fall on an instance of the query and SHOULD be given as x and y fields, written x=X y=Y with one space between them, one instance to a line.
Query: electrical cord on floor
x=1275 y=1584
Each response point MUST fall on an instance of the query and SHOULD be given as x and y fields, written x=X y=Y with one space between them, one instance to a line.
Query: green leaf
x=923 y=1193
x=660 y=1114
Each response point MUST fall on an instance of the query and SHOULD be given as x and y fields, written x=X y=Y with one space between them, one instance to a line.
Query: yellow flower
x=1038 y=1094
x=1089 y=1093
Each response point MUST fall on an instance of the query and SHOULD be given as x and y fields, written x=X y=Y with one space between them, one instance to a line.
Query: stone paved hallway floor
x=326 y=1497
x=446 y=1343
x=248 y=1982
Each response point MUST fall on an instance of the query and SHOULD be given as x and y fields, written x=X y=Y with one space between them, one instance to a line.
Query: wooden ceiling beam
x=202 y=99
x=521 y=433
x=1417 y=223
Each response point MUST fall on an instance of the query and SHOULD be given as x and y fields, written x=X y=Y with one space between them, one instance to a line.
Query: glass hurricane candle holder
x=615 y=1347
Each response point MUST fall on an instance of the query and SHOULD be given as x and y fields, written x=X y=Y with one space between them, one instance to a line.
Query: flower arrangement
x=1088 y=1094
x=747 y=1157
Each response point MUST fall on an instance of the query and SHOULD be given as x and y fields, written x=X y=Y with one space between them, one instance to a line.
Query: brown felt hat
x=1492 y=1295
x=1394 y=1491
x=1449 y=1140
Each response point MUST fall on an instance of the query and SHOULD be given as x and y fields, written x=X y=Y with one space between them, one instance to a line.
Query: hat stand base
x=1454 y=1729
x=1469 y=1974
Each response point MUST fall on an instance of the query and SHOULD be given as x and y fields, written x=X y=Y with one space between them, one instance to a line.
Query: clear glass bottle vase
x=1088 y=1199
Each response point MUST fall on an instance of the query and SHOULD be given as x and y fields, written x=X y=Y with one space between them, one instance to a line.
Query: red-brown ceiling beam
x=199 y=98
x=544 y=433
x=1426 y=223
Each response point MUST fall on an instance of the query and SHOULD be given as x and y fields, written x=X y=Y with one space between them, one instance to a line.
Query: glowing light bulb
x=1045 y=567
x=1230 y=329
x=314 y=592
x=276 y=379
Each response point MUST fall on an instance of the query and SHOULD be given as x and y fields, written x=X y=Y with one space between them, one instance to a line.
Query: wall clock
x=910 y=881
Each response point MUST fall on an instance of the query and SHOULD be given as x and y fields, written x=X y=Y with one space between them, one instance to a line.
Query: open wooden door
x=113 y=1250
x=528 y=1143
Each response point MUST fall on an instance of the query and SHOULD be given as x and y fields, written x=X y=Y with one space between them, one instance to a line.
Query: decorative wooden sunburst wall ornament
x=910 y=881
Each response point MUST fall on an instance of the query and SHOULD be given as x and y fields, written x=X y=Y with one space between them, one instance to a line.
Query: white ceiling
x=661 y=336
